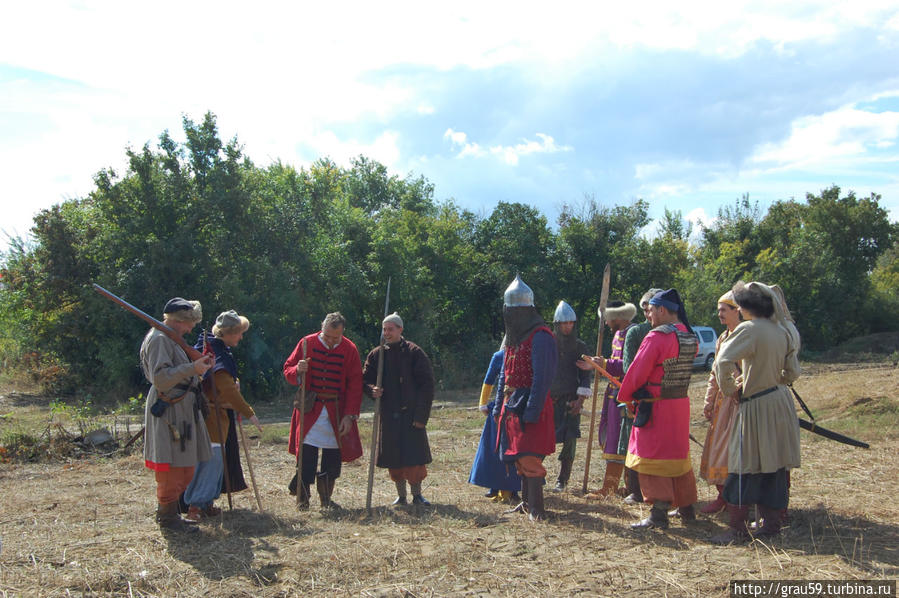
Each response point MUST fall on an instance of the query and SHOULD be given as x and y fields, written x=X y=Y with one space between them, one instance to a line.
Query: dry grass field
x=84 y=526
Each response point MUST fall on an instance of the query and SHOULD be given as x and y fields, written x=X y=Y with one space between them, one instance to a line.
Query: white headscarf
x=781 y=316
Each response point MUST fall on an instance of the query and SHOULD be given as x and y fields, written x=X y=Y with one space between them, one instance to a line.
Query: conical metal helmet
x=564 y=313
x=518 y=294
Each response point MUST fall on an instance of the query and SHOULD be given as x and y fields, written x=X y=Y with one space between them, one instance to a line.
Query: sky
x=689 y=105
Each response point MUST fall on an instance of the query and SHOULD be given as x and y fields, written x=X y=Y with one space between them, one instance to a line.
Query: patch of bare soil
x=86 y=527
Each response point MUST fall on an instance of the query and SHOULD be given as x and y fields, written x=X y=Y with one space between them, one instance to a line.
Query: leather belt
x=761 y=393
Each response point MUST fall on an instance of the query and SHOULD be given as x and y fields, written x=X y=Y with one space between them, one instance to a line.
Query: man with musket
x=332 y=377
x=569 y=388
x=406 y=393
x=525 y=415
x=176 y=439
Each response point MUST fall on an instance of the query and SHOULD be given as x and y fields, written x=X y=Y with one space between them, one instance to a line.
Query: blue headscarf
x=671 y=301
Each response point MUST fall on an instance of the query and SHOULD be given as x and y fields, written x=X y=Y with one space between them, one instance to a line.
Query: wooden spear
x=376 y=417
x=603 y=300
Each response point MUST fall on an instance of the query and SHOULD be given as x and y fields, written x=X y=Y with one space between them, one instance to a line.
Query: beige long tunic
x=713 y=465
x=765 y=432
x=166 y=365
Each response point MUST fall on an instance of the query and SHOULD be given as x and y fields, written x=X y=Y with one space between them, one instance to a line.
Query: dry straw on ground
x=85 y=527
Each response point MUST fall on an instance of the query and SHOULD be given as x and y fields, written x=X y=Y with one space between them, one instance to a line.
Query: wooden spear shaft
x=603 y=299
x=246 y=452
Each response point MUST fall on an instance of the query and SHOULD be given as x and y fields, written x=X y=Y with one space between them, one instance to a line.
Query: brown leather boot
x=168 y=518
x=325 y=487
x=609 y=482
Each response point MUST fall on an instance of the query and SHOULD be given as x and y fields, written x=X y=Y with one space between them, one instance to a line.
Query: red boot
x=737 y=531
x=716 y=505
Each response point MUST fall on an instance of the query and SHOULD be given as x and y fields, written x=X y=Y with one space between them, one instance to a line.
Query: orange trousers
x=413 y=474
x=170 y=484
x=530 y=466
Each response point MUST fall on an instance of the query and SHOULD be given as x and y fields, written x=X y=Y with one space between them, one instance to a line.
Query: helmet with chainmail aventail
x=564 y=313
x=518 y=294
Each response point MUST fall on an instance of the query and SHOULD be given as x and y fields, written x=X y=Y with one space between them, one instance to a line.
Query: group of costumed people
x=532 y=397
x=190 y=441
x=535 y=388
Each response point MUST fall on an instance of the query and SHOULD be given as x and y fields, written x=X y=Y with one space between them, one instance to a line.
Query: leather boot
x=536 y=511
x=658 y=517
x=325 y=486
x=168 y=518
x=687 y=514
x=609 y=482
x=400 y=494
x=417 y=498
x=522 y=507
x=564 y=474
x=716 y=505
x=303 y=505
x=737 y=531
x=632 y=481
x=771 y=519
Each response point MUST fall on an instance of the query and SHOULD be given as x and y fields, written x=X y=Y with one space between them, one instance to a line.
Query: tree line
x=284 y=246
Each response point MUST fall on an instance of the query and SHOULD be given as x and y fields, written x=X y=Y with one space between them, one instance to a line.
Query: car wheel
x=709 y=361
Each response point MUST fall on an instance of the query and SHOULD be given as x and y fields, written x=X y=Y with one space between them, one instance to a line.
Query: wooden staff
x=376 y=417
x=246 y=453
x=603 y=300
x=301 y=489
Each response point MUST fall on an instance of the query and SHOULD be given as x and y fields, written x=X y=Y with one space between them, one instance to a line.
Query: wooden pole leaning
x=301 y=488
x=603 y=300
x=376 y=417
x=246 y=452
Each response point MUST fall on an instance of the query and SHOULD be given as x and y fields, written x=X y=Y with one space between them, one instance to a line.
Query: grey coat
x=167 y=368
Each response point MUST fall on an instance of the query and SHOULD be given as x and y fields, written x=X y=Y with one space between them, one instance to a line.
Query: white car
x=707 y=338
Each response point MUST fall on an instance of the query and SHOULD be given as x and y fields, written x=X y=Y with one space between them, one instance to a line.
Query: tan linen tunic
x=166 y=364
x=713 y=465
x=765 y=433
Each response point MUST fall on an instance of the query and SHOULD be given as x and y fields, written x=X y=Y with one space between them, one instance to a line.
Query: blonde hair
x=220 y=331
x=185 y=315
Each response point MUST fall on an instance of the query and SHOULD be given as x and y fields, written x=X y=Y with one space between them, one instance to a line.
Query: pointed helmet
x=564 y=313
x=518 y=294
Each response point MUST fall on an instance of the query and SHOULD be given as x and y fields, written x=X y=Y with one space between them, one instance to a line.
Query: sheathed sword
x=813 y=427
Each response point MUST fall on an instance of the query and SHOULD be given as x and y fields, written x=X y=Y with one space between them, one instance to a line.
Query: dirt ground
x=85 y=526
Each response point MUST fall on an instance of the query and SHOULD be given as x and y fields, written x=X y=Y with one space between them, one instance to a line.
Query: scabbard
x=831 y=435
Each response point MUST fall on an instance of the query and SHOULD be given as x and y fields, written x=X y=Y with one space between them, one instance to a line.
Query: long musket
x=376 y=417
x=192 y=353
x=301 y=487
x=603 y=300
x=246 y=452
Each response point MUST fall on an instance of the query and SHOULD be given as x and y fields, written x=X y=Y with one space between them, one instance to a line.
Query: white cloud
x=510 y=154
x=842 y=134
x=543 y=145
x=383 y=149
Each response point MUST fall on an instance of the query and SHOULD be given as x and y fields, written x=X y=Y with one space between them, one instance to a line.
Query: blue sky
x=686 y=105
